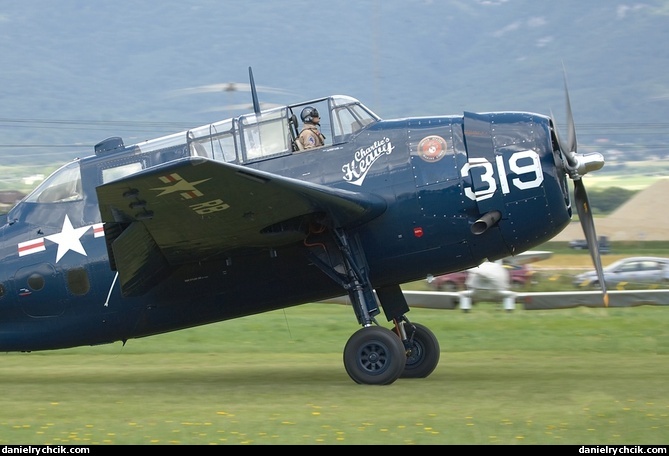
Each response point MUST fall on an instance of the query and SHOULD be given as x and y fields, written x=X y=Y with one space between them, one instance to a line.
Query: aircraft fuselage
x=447 y=193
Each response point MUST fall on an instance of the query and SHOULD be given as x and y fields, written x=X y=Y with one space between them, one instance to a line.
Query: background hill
x=638 y=219
x=76 y=72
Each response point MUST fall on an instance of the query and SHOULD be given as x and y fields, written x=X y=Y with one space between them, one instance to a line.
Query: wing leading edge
x=194 y=208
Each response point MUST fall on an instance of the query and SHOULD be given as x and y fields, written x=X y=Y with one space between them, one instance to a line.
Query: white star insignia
x=68 y=239
x=179 y=186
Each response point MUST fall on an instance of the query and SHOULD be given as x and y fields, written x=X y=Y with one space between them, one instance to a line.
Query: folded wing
x=196 y=209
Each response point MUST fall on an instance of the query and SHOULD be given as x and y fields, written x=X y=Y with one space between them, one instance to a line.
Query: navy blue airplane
x=236 y=218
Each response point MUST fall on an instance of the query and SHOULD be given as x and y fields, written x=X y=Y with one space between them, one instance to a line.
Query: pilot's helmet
x=308 y=114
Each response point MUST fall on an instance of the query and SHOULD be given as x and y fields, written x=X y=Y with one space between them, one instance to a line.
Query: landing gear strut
x=375 y=355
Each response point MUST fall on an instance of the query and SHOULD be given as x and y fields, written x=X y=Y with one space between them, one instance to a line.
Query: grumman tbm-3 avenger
x=171 y=233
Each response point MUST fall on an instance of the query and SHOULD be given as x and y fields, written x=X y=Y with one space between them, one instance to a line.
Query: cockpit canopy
x=274 y=131
x=62 y=185
x=244 y=139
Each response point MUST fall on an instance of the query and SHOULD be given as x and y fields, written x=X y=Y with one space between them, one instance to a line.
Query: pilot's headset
x=308 y=115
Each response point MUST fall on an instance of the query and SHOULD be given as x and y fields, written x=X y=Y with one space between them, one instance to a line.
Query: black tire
x=374 y=356
x=423 y=354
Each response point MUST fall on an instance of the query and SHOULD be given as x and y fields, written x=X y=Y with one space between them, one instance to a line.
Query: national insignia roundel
x=432 y=148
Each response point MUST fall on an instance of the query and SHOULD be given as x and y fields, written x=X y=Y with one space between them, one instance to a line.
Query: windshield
x=63 y=185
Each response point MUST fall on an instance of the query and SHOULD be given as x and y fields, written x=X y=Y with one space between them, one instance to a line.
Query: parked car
x=631 y=271
x=456 y=281
x=582 y=244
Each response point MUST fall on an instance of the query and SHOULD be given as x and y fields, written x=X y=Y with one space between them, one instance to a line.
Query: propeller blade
x=569 y=149
x=588 y=225
x=577 y=165
x=571 y=128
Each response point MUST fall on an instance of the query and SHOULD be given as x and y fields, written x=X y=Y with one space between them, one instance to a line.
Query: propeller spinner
x=577 y=165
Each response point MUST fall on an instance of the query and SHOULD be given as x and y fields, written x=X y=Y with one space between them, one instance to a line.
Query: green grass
x=618 y=249
x=575 y=376
x=629 y=181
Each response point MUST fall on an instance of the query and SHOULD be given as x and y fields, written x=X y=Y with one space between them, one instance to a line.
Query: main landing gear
x=375 y=355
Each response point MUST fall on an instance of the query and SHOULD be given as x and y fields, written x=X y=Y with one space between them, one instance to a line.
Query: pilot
x=310 y=136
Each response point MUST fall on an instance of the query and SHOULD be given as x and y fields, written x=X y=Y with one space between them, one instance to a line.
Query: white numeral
x=525 y=163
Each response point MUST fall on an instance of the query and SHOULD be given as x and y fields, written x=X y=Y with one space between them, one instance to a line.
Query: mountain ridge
x=80 y=72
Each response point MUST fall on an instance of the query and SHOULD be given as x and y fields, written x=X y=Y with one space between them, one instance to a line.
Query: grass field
x=632 y=182
x=576 y=376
